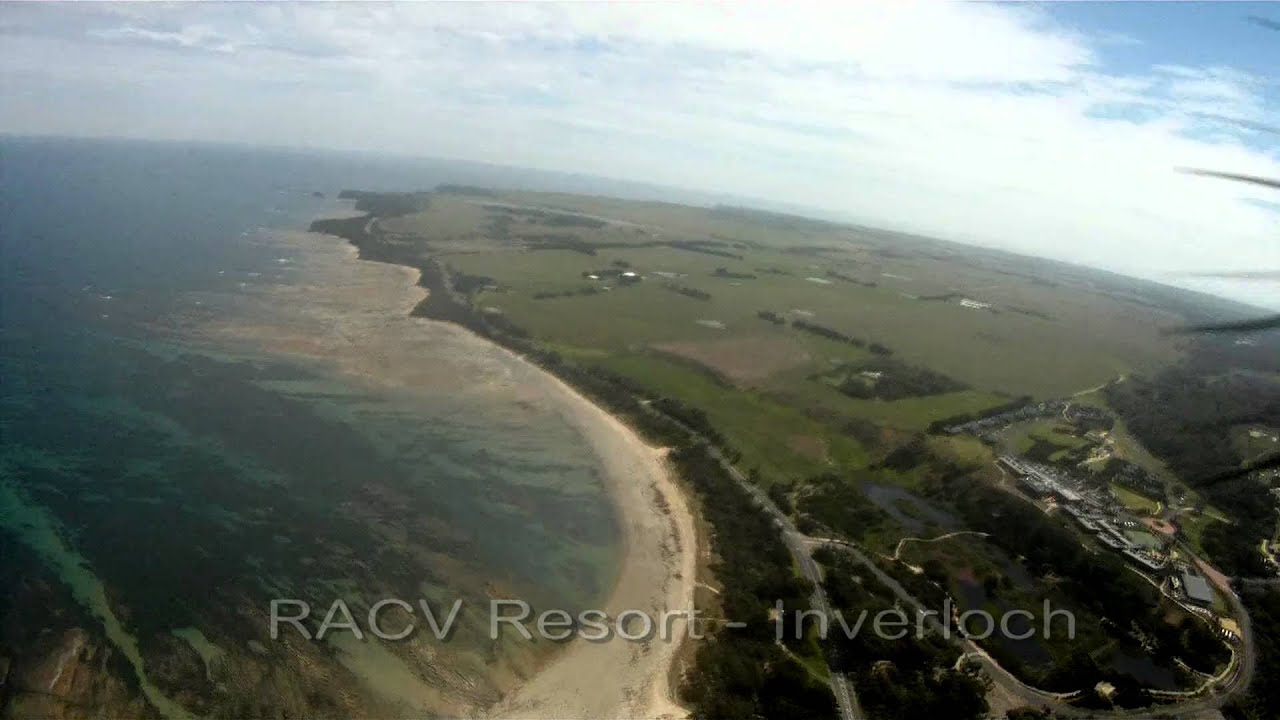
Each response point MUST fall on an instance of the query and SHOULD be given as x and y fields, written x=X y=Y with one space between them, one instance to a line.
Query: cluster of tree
x=723 y=272
x=1133 y=476
x=445 y=302
x=548 y=218
x=887 y=379
x=448 y=189
x=349 y=228
x=742 y=672
x=1049 y=548
x=836 y=335
x=775 y=220
x=1212 y=354
x=850 y=279
x=906 y=456
x=576 y=292
x=772 y=270
x=1263 y=699
x=372 y=244
x=1088 y=417
x=388 y=204
x=469 y=284
x=1187 y=418
x=960 y=419
x=910 y=678
x=812 y=250
x=1032 y=313
x=706 y=247
x=779 y=492
x=865 y=431
x=694 y=293
x=559 y=241
x=499 y=227
x=691 y=416
x=772 y=317
x=1082 y=672
x=838 y=504
x=1233 y=546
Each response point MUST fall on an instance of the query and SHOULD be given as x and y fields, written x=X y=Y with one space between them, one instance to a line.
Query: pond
x=1030 y=650
x=1144 y=670
x=912 y=512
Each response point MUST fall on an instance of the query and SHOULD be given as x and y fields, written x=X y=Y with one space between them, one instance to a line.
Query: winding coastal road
x=801 y=547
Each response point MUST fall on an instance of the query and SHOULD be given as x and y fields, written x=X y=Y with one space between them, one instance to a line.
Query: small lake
x=912 y=512
x=1144 y=670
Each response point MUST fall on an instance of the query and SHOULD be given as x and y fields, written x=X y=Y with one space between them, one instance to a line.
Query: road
x=897 y=552
x=801 y=547
x=797 y=543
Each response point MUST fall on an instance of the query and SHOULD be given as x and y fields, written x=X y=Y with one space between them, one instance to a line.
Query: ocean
x=174 y=455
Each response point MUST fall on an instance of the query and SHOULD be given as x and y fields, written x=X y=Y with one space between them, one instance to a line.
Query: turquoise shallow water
x=176 y=488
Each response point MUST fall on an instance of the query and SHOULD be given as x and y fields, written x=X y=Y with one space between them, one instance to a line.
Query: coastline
x=381 y=343
x=650 y=505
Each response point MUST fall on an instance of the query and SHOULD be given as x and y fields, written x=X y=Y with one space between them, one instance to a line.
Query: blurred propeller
x=1263 y=323
x=1238 y=122
x=1253 y=179
x=1269 y=463
x=1267 y=23
x=1241 y=275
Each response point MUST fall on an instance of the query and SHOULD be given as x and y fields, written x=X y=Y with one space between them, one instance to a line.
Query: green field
x=1136 y=502
x=1193 y=525
x=689 y=324
x=820 y=359
x=1023 y=436
x=1255 y=441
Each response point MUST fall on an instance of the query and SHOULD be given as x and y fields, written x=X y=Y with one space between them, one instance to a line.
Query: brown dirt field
x=744 y=360
x=810 y=446
x=1161 y=526
x=1215 y=576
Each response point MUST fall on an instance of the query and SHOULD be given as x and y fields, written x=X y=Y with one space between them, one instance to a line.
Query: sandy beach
x=619 y=678
x=354 y=316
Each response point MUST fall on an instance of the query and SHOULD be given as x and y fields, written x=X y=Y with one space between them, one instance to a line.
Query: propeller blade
x=1254 y=179
x=1239 y=122
x=1265 y=464
x=1267 y=23
x=1240 y=275
x=1263 y=323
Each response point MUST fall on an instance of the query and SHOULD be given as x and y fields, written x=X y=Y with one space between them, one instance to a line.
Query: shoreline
x=345 y=321
x=652 y=695
x=542 y=696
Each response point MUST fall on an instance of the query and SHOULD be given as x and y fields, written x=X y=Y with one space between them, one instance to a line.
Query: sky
x=1055 y=130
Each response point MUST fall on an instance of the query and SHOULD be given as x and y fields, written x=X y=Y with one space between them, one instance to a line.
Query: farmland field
x=800 y=339
x=834 y=366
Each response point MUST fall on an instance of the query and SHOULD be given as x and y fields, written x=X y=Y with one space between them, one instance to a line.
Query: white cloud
x=984 y=123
